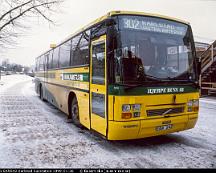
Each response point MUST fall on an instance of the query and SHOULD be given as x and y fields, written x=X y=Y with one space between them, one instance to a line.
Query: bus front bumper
x=149 y=127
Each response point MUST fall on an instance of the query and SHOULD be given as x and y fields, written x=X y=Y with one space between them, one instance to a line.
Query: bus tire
x=41 y=93
x=75 y=112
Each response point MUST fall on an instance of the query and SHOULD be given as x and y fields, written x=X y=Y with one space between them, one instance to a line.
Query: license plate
x=161 y=128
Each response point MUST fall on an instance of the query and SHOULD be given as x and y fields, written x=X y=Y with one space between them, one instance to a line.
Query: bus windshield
x=153 y=49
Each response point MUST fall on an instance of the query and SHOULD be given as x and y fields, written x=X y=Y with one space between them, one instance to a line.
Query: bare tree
x=14 y=16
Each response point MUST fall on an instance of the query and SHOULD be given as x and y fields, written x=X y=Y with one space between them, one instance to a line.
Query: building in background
x=208 y=67
x=201 y=47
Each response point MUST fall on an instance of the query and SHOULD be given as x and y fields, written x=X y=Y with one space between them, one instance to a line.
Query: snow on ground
x=10 y=80
x=33 y=134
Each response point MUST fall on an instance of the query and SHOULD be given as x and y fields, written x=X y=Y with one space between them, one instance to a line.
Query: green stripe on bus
x=141 y=90
x=75 y=76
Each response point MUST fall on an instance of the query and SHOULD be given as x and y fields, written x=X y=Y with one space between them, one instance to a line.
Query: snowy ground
x=33 y=134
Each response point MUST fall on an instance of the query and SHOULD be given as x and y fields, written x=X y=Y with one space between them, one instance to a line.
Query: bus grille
x=165 y=111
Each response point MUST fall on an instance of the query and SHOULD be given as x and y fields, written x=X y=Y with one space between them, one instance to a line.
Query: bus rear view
x=153 y=77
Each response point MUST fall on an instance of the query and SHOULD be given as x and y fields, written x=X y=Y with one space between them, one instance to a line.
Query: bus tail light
x=126 y=115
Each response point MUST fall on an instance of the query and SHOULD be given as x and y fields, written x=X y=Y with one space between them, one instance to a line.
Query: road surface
x=33 y=134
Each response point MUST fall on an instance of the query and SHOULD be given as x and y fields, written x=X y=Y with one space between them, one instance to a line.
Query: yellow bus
x=127 y=75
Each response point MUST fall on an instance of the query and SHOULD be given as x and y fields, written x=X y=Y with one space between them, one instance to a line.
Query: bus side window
x=55 y=62
x=65 y=49
x=36 y=65
x=84 y=48
x=46 y=61
x=50 y=59
x=41 y=65
x=75 y=50
x=80 y=49
x=98 y=30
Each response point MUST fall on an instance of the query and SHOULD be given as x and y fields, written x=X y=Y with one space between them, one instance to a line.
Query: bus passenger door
x=98 y=94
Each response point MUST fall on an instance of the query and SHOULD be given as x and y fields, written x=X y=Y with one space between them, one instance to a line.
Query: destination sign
x=153 y=25
x=164 y=90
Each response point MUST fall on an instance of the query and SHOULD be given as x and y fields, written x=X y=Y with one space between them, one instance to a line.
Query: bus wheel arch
x=73 y=108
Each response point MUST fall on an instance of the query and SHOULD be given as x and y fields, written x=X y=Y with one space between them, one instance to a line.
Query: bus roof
x=112 y=13
x=115 y=13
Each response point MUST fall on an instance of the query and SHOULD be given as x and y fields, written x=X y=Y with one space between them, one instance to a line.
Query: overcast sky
x=77 y=13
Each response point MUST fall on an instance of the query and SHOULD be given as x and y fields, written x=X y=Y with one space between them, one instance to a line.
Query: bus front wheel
x=75 y=112
x=41 y=93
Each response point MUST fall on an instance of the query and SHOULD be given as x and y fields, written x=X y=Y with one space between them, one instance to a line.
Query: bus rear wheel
x=75 y=112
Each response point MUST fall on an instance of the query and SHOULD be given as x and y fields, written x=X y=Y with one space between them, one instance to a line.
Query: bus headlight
x=196 y=103
x=131 y=110
x=190 y=103
x=136 y=107
x=193 y=105
x=126 y=108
